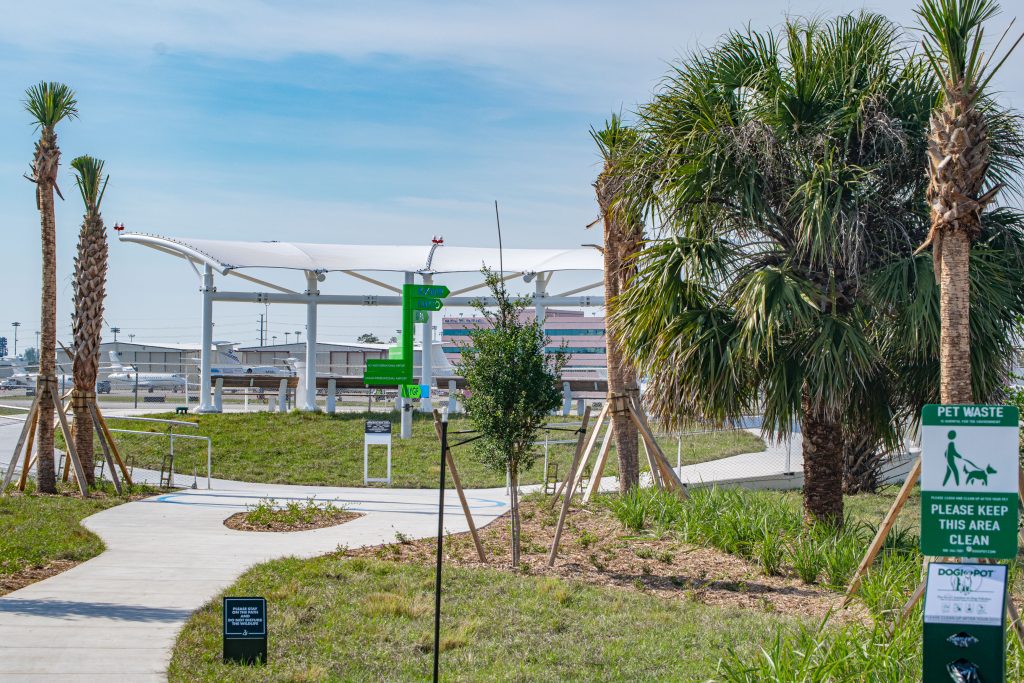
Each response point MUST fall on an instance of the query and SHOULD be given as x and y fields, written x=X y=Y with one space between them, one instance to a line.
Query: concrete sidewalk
x=115 y=617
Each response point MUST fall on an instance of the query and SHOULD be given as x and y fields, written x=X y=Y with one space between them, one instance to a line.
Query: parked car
x=103 y=386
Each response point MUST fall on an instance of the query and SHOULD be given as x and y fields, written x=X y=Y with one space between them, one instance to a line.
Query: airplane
x=145 y=380
x=234 y=367
x=21 y=378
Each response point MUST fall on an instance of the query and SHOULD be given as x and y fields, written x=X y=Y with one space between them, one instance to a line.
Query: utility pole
x=115 y=330
x=261 y=329
x=16 y=326
x=131 y=338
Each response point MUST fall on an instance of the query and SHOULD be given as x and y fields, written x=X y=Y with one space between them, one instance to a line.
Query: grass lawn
x=362 y=619
x=41 y=535
x=315 y=448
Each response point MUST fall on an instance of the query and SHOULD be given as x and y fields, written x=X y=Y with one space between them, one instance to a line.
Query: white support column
x=540 y=292
x=282 y=397
x=426 y=360
x=205 y=405
x=312 y=292
x=453 y=398
x=566 y=399
x=332 y=389
x=218 y=395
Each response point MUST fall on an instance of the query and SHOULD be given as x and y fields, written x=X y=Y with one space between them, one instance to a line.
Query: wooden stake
x=106 y=448
x=883 y=531
x=570 y=483
x=113 y=447
x=69 y=442
x=654 y=452
x=32 y=415
x=27 y=462
x=585 y=454
x=1015 y=622
x=450 y=462
x=602 y=458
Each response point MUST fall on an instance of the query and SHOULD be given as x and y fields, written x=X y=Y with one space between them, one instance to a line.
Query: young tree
x=90 y=290
x=963 y=180
x=368 y=338
x=513 y=387
x=49 y=104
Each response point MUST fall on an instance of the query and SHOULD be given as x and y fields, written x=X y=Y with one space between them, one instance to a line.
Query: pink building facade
x=582 y=335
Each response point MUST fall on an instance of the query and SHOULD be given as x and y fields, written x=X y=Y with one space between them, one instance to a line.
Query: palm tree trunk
x=823 y=465
x=46 y=479
x=953 y=252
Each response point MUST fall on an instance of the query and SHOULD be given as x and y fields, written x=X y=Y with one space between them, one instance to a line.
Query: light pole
x=298 y=333
x=286 y=337
x=16 y=326
x=274 y=339
x=37 y=340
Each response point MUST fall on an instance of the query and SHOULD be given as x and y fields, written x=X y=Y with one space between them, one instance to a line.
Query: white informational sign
x=377 y=432
x=965 y=594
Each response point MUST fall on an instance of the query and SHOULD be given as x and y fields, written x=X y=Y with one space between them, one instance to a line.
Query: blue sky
x=383 y=122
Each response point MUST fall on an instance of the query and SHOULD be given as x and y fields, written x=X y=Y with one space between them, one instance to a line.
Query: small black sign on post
x=378 y=426
x=245 y=630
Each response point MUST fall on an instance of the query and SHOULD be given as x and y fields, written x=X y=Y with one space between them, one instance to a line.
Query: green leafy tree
x=513 y=387
x=782 y=170
x=368 y=338
x=48 y=104
x=30 y=355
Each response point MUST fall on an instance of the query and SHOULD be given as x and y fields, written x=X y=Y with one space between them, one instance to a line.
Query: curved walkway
x=116 y=616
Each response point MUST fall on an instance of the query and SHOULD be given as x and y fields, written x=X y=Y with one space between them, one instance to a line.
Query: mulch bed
x=239 y=522
x=29 y=575
x=596 y=549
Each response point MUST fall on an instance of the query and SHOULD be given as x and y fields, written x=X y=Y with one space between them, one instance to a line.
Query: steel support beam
x=312 y=296
x=208 y=290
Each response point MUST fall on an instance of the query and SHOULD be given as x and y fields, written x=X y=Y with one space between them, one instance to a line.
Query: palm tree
x=49 y=104
x=781 y=168
x=90 y=290
x=623 y=237
x=959 y=164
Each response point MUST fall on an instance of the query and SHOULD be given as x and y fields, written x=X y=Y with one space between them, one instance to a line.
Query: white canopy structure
x=230 y=258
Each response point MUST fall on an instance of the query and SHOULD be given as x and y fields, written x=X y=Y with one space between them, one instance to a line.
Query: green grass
x=315 y=448
x=336 y=619
x=36 y=530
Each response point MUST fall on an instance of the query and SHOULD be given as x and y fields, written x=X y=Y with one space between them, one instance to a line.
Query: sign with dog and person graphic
x=969 y=463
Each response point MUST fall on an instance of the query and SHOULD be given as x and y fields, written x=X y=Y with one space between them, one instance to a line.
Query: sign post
x=969 y=481
x=396 y=369
x=245 y=630
x=376 y=432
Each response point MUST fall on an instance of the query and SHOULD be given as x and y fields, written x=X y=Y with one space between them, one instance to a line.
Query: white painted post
x=282 y=396
x=566 y=399
x=540 y=285
x=205 y=406
x=309 y=400
x=218 y=396
x=426 y=360
x=579 y=407
x=453 y=399
x=332 y=387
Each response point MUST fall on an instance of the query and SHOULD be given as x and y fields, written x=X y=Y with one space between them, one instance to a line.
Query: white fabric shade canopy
x=224 y=256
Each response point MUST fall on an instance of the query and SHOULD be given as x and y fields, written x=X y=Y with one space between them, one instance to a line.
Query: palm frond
x=49 y=103
x=90 y=180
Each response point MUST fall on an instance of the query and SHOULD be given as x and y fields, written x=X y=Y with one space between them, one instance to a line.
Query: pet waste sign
x=969 y=481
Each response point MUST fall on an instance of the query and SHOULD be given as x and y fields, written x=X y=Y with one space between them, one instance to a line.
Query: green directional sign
x=427 y=304
x=430 y=291
x=396 y=369
x=969 y=483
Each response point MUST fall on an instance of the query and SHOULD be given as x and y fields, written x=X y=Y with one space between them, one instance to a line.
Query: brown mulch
x=19 y=579
x=596 y=549
x=239 y=522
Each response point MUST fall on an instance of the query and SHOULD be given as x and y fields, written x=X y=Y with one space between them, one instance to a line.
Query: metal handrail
x=172 y=436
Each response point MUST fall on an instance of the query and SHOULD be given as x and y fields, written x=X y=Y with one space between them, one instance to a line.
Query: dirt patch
x=240 y=522
x=596 y=549
x=18 y=580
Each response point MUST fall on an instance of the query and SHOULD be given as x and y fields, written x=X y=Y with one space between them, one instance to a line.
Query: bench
x=181 y=410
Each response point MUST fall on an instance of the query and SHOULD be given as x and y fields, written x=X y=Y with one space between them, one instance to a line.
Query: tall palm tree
x=49 y=104
x=623 y=237
x=782 y=170
x=90 y=290
x=959 y=164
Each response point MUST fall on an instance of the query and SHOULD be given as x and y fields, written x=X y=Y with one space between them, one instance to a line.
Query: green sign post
x=396 y=369
x=969 y=484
